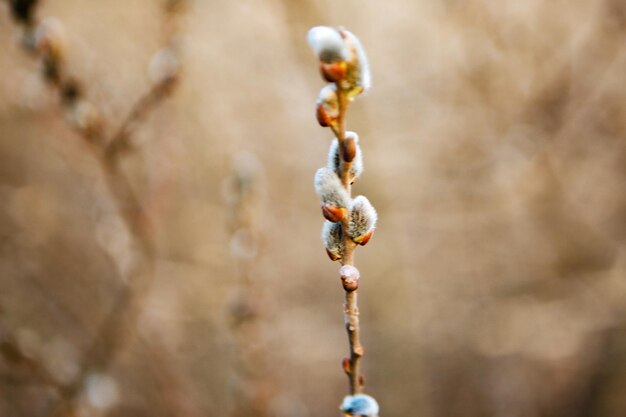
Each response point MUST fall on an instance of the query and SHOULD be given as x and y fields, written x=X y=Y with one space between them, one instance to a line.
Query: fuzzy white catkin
x=363 y=217
x=359 y=75
x=332 y=237
x=334 y=158
x=360 y=405
x=329 y=189
x=328 y=44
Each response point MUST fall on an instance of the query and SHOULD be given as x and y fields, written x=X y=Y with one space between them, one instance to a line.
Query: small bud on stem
x=349 y=277
x=345 y=364
x=328 y=106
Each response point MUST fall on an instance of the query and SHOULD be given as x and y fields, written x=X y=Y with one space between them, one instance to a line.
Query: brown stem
x=351 y=309
x=351 y=319
x=340 y=133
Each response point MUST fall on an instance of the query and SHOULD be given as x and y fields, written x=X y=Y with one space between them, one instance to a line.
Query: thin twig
x=146 y=103
x=351 y=309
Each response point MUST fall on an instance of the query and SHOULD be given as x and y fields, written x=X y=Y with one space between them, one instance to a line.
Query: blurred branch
x=145 y=104
x=174 y=390
x=243 y=189
x=46 y=41
x=12 y=354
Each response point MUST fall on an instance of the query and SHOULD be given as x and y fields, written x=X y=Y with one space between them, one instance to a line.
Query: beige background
x=494 y=140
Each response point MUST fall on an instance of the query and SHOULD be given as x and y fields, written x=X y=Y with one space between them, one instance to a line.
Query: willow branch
x=349 y=221
x=351 y=309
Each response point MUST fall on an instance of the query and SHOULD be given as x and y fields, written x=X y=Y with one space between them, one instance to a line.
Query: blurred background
x=494 y=140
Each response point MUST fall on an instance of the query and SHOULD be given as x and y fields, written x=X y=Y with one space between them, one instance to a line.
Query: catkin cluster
x=343 y=64
x=350 y=221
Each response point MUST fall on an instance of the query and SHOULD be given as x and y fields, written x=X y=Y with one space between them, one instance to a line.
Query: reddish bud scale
x=350 y=285
x=333 y=214
x=345 y=363
x=333 y=72
x=322 y=117
x=363 y=239
x=333 y=256
x=348 y=150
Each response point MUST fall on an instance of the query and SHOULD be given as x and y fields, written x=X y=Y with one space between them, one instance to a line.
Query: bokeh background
x=494 y=140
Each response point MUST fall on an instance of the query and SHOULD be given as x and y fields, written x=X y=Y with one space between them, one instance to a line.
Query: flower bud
x=321 y=116
x=328 y=44
x=330 y=190
x=336 y=157
x=332 y=237
x=360 y=405
x=363 y=218
x=358 y=78
x=327 y=106
x=349 y=277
